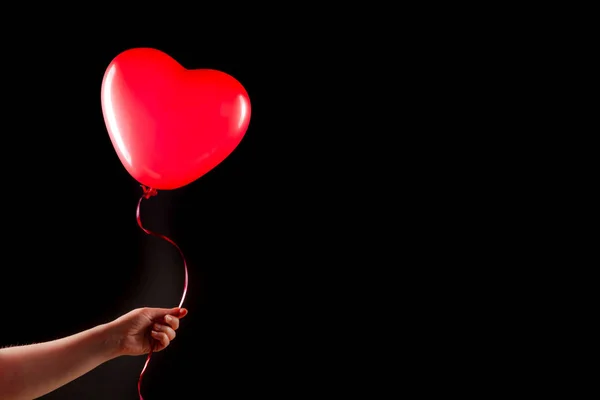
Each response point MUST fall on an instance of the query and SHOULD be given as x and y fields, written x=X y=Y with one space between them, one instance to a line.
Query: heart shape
x=170 y=125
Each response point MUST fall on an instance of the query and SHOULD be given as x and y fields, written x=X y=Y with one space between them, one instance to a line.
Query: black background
x=74 y=257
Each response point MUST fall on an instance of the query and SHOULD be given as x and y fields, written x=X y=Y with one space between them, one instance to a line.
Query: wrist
x=109 y=341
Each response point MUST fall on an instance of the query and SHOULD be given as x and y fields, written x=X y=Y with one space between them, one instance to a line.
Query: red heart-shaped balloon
x=170 y=125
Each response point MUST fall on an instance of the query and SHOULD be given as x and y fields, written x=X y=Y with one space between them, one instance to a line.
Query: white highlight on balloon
x=110 y=114
x=244 y=110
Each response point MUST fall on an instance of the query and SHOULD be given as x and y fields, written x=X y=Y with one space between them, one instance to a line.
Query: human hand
x=135 y=332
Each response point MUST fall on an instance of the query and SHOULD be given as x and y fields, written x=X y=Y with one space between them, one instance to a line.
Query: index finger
x=172 y=321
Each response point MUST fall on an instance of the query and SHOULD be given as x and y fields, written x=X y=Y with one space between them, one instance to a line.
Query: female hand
x=141 y=328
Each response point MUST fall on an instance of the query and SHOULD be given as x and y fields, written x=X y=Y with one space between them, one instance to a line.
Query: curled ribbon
x=150 y=192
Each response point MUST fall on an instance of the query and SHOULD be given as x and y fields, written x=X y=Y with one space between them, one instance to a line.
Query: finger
x=161 y=337
x=155 y=313
x=182 y=312
x=166 y=329
x=172 y=321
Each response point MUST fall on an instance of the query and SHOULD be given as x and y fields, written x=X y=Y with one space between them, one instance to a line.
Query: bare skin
x=31 y=371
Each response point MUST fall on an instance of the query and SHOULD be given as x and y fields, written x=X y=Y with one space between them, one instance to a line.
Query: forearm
x=28 y=372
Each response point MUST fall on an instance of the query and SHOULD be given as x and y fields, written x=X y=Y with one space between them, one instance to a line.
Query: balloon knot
x=148 y=191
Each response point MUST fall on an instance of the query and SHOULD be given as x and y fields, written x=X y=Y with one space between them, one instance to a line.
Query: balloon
x=170 y=125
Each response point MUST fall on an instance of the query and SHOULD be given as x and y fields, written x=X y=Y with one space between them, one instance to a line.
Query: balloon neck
x=148 y=191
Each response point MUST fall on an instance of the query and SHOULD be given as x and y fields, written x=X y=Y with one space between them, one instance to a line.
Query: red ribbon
x=149 y=192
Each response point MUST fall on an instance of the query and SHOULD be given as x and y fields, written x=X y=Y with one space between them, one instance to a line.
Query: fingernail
x=168 y=318
x=158 y=327
x=153 y=333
